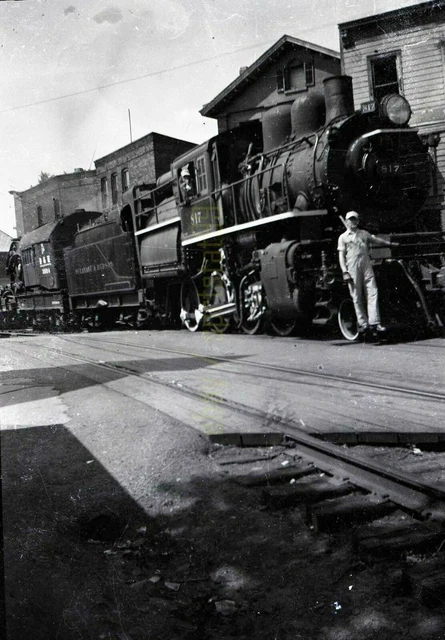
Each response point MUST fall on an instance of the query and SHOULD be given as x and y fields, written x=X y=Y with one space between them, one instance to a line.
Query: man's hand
x=346 y=277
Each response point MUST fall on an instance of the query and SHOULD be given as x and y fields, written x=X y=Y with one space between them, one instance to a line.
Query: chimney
x=338 y=97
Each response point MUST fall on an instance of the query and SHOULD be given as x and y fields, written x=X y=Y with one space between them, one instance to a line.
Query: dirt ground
x=201 y=557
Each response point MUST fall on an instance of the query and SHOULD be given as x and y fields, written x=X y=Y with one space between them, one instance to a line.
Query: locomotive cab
x=206 y=180
x=194 y=184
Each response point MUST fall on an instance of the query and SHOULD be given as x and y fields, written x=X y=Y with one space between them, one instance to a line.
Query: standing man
x=355 y=263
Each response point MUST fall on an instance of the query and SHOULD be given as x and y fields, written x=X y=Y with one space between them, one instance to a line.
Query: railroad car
x=102 y=275
x=38 y=291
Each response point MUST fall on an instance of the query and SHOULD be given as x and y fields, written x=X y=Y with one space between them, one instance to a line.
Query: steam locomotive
x=242 y=232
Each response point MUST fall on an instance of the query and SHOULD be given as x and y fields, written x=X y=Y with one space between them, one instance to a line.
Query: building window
x=385 y=75
x=104 y=192
x=114 y=188
x=201 y=176
x=56 y=208
x=39 y=216
x=295 y=77
x=125 y=175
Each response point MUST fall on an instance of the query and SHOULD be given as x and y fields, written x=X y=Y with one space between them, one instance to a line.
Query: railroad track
x=17 y=333
x=405 y=490
x=386 y=510
x=298 y=373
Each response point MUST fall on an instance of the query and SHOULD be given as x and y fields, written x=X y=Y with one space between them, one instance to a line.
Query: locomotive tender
x=242 y=231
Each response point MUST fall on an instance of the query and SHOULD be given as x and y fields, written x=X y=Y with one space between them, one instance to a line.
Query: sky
x=72 y=70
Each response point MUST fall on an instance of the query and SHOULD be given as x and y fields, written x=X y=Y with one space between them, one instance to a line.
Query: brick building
x=403 y=51
x=289 y=68
x=54 y=198
x=141 y=161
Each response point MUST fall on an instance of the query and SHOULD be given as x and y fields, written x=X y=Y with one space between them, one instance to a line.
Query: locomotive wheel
x=219 y=296
x=192 y=311
x=253 y=307
x=283 y=328
x=220 y=325
x=347 y=320
x=252 y=327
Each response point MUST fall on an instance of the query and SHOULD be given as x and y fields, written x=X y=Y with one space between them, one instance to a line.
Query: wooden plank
x=378 y=437
x=226 y=438
x=339 y=513
x=276 y=476
x=398 y=539
x=419 y=437
x=312 y=490
x=340 y=438
x=261 y=439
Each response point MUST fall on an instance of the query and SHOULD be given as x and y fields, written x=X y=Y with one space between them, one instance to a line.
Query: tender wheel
x=347 y=320
x=192 y=311
x=282 y=327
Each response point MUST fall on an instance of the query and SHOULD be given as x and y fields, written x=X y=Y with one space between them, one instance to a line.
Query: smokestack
x=338 y=97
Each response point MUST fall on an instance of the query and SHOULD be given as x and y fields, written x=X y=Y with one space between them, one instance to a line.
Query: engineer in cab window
x=186 y=185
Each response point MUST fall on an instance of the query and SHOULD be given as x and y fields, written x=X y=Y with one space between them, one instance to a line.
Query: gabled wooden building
x=403 y=51
x=287 y=69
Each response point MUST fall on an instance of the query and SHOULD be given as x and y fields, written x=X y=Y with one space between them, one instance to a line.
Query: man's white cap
x=351 y=214
x=185 y=172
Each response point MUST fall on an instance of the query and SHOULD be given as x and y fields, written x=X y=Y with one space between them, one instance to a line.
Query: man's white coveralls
x=363 y=288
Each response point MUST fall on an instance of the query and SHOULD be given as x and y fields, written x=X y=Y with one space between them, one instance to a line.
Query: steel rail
x=299 y=372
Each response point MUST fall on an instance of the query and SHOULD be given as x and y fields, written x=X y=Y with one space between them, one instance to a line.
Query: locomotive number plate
x=389 y=169
x=368 y=107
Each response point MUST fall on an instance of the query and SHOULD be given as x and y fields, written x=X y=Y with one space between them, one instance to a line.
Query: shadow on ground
x=202 y=559
x=81 y=376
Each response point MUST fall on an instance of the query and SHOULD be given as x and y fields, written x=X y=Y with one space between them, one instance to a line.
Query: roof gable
x=400 y=17
x=249 y=75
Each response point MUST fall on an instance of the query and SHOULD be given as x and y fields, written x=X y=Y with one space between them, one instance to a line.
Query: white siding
x=422 y=65
x=422 y=57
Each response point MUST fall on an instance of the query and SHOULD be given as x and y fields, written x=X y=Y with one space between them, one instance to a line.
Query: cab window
x=201 y=176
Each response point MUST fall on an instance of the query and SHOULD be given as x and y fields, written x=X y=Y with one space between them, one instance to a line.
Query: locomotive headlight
x=396 y=108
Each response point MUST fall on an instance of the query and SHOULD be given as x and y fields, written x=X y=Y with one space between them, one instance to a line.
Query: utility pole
x=129 y=122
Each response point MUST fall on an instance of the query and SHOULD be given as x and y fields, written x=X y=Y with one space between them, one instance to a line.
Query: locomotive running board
x=255 y=223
